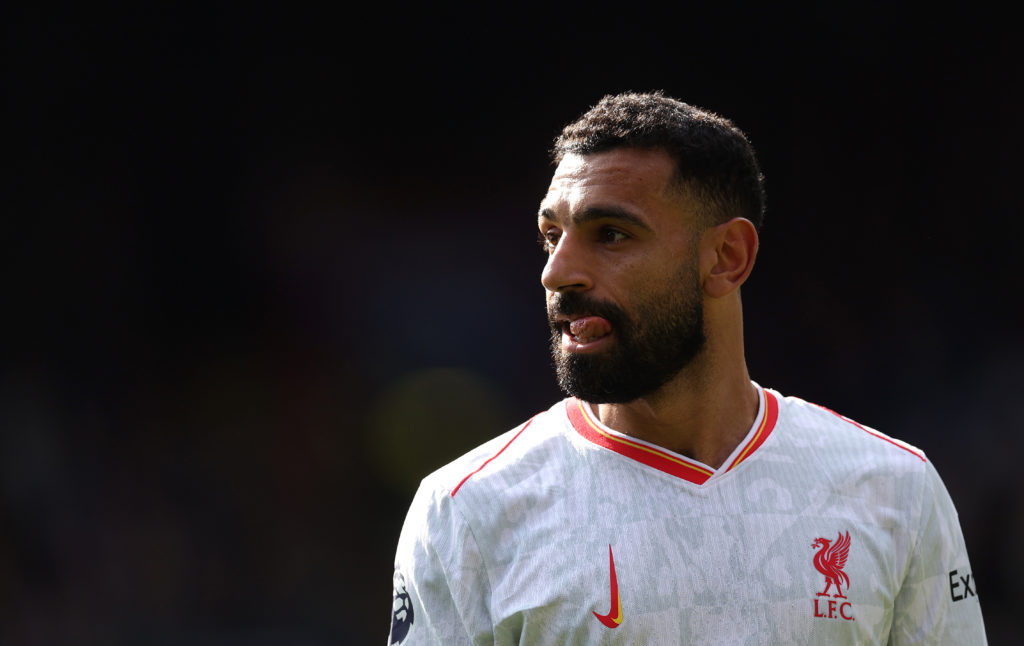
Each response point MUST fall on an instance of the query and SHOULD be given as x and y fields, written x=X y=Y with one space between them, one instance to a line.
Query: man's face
x=623 y=287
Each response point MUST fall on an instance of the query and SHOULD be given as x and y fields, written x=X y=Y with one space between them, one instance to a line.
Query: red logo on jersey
x=614 y=616
x=830 y=559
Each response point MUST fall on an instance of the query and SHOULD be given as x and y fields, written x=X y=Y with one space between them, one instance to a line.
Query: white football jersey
x=816 y=530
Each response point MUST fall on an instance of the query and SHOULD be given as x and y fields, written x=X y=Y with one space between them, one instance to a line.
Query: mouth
x=585 y=333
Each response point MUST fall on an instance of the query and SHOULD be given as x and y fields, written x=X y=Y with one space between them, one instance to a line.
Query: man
x=670 y=499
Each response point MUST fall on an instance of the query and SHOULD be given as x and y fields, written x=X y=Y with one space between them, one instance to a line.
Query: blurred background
x=264 y=269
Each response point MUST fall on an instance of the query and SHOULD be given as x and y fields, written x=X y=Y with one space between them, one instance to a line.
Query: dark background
x=265 y=269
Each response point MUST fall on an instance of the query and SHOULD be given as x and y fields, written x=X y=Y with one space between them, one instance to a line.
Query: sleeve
x=938 y=601
x=441 y=585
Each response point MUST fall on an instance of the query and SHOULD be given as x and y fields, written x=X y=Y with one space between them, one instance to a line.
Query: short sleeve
x=938 y=601
x=441 y=586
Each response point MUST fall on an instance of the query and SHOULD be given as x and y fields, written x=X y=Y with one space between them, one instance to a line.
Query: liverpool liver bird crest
x=830 y=561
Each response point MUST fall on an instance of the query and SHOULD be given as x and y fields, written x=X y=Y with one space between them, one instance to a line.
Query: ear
x=728 y=254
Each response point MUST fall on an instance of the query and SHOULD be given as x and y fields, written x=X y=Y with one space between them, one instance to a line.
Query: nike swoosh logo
x=614 y=616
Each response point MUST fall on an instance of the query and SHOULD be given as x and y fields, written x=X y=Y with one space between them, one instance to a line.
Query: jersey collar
x=585 y=422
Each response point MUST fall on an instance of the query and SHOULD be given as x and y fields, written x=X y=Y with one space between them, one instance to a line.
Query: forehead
x=628 y=178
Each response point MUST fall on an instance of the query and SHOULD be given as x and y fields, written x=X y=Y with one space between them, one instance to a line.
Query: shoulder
x=816 y=427
x=477 y=493
x=503 y=459
x=839 y=453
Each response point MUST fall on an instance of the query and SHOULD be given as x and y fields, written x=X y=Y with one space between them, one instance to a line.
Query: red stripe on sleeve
x=875 y=433
x=488 y=460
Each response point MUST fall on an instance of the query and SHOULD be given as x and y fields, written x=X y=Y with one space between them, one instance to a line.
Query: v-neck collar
x=586 y=423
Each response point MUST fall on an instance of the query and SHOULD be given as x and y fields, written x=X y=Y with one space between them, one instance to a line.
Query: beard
x=663 y=335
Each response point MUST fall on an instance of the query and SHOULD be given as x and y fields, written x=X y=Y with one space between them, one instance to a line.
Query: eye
x=610 y=235
x=548 y=240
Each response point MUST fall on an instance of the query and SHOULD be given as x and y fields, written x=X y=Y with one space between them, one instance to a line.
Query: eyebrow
x=592 y=213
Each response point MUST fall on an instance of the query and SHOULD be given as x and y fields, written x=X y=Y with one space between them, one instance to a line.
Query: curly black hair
x=714 y=159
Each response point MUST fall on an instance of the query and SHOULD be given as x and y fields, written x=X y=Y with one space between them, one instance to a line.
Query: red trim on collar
x=764 y=429
x=671 y=463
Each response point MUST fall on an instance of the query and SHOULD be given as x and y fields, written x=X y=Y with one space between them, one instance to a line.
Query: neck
x=704 y=413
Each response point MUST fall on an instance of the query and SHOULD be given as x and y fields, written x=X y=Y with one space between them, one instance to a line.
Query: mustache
x=574 y=304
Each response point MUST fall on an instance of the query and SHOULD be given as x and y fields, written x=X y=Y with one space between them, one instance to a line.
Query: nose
x=567 y=267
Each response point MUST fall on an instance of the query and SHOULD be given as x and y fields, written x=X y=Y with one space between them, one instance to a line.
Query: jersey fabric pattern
x=816 y=530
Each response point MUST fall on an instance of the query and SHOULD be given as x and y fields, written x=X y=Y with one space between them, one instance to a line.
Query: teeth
x=582 y=339
x=579 y=338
